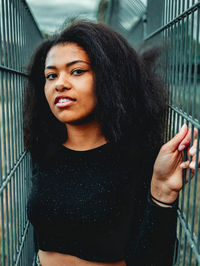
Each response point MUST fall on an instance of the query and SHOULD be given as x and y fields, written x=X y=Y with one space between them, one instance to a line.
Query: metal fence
x=18 y=36
x=174 y=24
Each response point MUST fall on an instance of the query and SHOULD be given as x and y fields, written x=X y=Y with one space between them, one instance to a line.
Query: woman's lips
x=62 y=104
x=63 y=101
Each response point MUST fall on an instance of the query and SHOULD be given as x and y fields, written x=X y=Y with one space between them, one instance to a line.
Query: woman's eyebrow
x=68 y=64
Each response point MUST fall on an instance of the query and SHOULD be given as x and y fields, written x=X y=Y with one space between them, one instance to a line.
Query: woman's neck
x=84 y=136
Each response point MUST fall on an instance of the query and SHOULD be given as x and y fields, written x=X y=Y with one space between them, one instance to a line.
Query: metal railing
x=175 y=25
x=19 y=34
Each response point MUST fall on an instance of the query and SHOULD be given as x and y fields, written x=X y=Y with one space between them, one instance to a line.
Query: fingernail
x=182 y=165
x=181 y=147
x=192 y=164
x=193 y=151
x=182 y=128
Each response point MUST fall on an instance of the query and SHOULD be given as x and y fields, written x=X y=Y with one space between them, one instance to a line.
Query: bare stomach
x=49 y=258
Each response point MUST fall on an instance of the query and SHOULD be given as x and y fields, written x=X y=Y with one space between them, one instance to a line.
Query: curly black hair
x=131 y=100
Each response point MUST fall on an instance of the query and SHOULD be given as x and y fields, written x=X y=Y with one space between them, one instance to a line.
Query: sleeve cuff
x=162 y=215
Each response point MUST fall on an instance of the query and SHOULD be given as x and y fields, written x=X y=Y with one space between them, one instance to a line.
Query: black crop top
x=94 y=205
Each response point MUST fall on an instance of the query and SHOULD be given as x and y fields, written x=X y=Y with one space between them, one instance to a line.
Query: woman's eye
x=78 y=72
x=51 y=76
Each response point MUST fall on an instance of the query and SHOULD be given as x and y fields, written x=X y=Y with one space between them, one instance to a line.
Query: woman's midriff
x=48 y=258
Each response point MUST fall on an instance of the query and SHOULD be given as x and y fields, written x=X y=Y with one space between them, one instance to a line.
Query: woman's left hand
x=167 y=175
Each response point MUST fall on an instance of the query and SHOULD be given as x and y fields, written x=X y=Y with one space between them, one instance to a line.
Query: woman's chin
x=78 y=120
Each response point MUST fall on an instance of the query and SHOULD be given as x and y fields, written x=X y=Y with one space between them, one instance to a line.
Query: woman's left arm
x=155 y=242
x=167 y=173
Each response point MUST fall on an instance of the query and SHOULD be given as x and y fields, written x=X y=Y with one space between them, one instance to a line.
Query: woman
x=93 y=113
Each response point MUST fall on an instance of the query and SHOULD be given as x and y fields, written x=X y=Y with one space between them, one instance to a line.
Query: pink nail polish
x=192 y=164
x=192 y=151
x=182 y=128
x=182 y=165
x=181 y=147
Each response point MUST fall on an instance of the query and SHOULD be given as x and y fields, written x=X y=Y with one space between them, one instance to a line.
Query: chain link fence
x=174 y=25
x=19 y=34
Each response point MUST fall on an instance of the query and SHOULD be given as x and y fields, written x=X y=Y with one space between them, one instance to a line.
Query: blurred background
x=50 y=14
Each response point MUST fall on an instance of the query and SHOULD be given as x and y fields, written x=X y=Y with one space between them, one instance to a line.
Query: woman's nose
x=62 y=84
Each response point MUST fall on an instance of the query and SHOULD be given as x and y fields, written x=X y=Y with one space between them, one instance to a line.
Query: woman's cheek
x=47 y=95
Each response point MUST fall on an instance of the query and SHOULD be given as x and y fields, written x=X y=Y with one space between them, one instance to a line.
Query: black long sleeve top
x=94 y=204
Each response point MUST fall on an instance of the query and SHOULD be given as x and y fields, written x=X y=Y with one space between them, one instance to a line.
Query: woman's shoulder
x=46 y=157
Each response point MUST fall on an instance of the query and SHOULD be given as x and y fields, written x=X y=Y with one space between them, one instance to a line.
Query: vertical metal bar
x=169 y=10
x=179 y=7
x=7 y=226
x=198 y=117
x=176 y=63
x=3 y=230
x=11 y=99
x=17 y=77
x=173 y=67
x=4 y=77
x=2 y=225
x=18 y=224
x=14 y=81
x=188 y=111
x=11 y=148
x=6 y=25
x=194 y=194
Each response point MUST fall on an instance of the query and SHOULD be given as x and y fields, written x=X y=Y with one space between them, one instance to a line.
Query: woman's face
x=69 y=85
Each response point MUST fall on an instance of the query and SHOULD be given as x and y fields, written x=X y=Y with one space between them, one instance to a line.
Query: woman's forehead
x=66 y=52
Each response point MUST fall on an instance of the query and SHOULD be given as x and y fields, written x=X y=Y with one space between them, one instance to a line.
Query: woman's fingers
x=192 y=164
x=187 y=139
x=188 y=164
x=184 y=165
x=193 y=152
x=174 y=143
x=182 y=139
x=193 y=149
x=194 y=161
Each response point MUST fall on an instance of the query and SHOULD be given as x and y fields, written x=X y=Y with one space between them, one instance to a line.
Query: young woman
x=93 y=112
